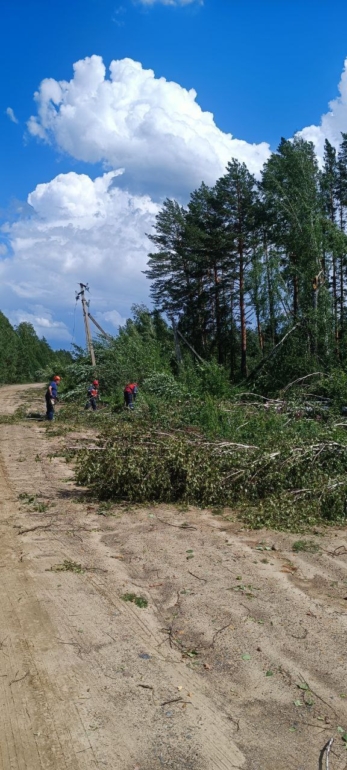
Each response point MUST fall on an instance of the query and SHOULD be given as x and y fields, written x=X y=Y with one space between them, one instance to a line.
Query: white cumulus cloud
x=113 y=317
x=332 y=122
x=42 y=320
x=10 y=114
x=79 y=230
x=153 y=128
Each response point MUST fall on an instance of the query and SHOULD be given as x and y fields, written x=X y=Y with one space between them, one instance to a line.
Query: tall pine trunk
x=233 y=340
x=335 y=307
x=272 y=317
x=243 y=327
x=218 y=315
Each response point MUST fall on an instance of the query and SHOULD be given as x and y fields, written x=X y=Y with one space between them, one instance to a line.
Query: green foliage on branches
x=23 y=355
x=250 y=265
x=293 y=476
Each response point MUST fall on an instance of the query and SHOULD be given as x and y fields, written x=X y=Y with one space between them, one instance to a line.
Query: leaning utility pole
x=101 y=330
x=81 y=295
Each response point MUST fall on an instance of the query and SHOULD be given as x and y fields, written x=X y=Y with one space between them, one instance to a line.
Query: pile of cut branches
x=280 y=485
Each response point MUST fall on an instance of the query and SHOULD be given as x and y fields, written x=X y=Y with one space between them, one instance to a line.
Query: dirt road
x=238 y=661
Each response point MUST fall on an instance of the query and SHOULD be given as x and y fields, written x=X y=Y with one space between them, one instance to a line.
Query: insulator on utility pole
x=81 y=295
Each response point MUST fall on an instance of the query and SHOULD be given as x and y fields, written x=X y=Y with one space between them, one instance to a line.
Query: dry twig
x=177 y=526
x=32 y=529
x=197 y=577
x=176 y=700
x=318 y=696
x=218 y=632
x=341 y=550
x=18 y=680
x=301 y=379
x=325 y=750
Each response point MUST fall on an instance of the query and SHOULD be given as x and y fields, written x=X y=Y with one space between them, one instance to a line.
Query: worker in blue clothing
x=52 y=397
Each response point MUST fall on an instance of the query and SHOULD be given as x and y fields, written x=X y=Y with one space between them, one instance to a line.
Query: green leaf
x=298 y=703
x=303 y=686
x=246 y=656
x=269 y=673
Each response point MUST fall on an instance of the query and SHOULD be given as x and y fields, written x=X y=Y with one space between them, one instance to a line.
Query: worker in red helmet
x=52 y=396
x=93 y=395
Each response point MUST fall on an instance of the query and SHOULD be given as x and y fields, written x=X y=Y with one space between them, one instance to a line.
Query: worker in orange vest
x=130 y=393
x=93 y=395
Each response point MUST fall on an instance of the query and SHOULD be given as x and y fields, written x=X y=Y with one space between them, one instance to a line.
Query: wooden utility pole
x=81 y=295
x=101 y=330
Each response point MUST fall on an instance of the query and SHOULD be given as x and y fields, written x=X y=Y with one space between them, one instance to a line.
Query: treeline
x=255 y=271
x=23 y=356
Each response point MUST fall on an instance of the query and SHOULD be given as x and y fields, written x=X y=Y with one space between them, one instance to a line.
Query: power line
x=74 y=325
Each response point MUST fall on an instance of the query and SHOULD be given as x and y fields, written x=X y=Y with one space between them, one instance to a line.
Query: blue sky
x=265 y=69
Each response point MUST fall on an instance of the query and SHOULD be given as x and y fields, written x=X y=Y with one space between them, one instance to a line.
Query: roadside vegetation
x=194 y=438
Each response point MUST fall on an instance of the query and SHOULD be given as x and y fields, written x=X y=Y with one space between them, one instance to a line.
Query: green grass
x=140 y=601
x=32 y=500
x=68 y=566
x=305 y=545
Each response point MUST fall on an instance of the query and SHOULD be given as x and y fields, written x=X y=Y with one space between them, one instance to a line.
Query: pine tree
x=209 y=251
x=329 y=191
x=292 y=196
x=342 y=208
x=168 y=267
x=237 y=194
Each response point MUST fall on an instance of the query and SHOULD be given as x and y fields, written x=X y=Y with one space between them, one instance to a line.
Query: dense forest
x=24 y=357
x=255 y=271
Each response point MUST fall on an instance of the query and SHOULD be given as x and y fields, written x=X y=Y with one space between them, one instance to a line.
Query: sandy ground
x=238 y=661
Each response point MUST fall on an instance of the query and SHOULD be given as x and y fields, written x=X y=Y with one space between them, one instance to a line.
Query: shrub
x=164 y=385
